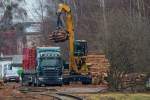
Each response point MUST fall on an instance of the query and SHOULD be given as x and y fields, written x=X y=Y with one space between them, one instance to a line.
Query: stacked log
x=59 y=35
x=133 y=80
x=98 y=67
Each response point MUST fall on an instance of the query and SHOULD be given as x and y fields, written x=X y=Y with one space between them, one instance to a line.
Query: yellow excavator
x=78 y=50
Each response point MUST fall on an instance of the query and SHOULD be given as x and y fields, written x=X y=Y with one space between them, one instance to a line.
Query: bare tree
x=127 y=28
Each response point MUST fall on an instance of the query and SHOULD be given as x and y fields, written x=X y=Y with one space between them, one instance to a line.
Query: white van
x=11 y=76
x=4 y=66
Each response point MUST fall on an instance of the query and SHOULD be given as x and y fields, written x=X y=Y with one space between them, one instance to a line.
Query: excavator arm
x=63 y=8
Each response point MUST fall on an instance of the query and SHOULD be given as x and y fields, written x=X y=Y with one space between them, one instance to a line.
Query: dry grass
x=120 y=96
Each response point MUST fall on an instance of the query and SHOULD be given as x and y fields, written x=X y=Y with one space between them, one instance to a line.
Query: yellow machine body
x=63 y=8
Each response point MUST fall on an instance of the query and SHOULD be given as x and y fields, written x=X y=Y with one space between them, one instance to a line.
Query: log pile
x=59 y=35
x=98 y=67
x=133 y=80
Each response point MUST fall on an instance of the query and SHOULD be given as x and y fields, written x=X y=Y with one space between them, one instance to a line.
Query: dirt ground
x=11 y=91
x=117 y=96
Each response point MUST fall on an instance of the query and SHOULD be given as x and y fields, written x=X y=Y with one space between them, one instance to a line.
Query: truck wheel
x=86 y=82
x=5 y=81
x=66 y=83
x=17 y=81
x=60 y=84
x=35 y=84
x=38 y=83
x=29 y=84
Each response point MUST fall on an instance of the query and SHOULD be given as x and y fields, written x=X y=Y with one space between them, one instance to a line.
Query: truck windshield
x=50 y=62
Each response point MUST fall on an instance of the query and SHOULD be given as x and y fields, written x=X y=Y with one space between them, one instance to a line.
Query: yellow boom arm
x=63 y=8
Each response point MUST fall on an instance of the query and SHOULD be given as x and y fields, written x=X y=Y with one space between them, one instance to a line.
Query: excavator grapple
x=59 y=35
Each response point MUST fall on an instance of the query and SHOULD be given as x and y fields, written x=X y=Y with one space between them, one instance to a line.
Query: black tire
x=17 y=81
x=29 y=84
x=34 y=85
x=34 y=82
x=60 y=84
x=66 y=83
x=37 y=83
x=85 y=83
x=5 y=81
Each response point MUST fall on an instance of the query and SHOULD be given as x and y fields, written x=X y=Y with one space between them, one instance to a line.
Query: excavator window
x=81 y=48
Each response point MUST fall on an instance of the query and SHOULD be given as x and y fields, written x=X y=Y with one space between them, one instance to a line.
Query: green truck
x=42 y=66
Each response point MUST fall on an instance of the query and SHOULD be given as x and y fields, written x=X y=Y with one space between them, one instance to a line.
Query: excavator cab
x=80 y=48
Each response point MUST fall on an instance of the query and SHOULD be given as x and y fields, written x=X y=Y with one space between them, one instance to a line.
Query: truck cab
x=49 y=66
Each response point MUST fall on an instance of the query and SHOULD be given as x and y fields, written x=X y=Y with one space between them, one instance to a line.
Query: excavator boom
x=61 y=34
